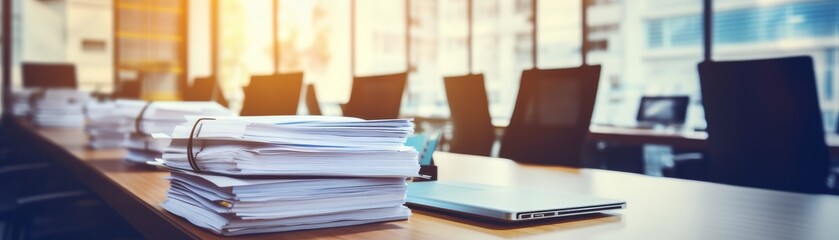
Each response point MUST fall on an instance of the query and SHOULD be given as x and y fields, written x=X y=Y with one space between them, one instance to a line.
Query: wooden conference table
x=658 y=208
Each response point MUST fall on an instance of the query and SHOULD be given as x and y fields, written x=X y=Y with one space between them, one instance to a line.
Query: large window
x=662 y=59
x=199 y=60
x=645 y=47
x=245 y=45
x=502 y=45
x=439 y=47
x=379 y=37
x=149 y=38
x=752 y=30
x=559 y=33
x=453 y=35
x=314 y=38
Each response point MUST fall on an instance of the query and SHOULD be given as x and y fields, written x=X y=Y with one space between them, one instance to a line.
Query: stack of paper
x=143 y=148
x=103 y=128
x=20 y=101
x=296 y=146
x=130 y=123
x=230 y=206
x=162 y=117
x=285 y=173
x=145 y=118
x=60 y=108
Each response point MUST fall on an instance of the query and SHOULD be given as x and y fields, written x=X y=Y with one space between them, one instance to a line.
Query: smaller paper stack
x=21 y=101
x=143 y=148
x=60 y=108
x=103 y=127
x=145 y=118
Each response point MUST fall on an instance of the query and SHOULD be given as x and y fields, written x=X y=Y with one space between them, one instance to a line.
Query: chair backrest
x=764 y=124
x=552 y=116
x=376 y=97
x=202 y=90
x=312 y=100
x=49 y=75
x=273 y=95
x=129 y=89
x=473 y=132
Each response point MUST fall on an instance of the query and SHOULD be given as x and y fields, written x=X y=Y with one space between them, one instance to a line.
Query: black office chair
x=312 y=100
x=205 y=89
x=49 y=75
x=376 y=97
x=552 y=116
x=472 y=131
x=273 y=95
x=201 y=89
x=764 y=124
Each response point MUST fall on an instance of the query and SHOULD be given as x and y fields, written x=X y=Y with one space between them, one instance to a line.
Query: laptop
x=664 y=110
x=503 y=203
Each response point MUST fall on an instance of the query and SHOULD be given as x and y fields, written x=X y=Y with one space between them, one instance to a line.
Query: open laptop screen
x=663 y=110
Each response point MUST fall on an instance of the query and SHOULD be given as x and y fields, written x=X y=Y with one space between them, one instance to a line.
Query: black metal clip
x=190 y=157
x=139 y=120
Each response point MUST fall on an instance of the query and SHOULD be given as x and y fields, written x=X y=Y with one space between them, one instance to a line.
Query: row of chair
x=765 y=124
x=763 y=118
x=373 y=97
x=550 y=117
x=552 y=112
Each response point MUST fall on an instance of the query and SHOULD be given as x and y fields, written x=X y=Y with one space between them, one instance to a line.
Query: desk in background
x=684 y=139
x=658 y=208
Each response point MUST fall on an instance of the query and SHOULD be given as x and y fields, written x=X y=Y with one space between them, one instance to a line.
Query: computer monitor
x=49 y=75
x=667 y=110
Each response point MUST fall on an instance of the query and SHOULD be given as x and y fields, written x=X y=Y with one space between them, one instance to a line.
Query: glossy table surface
x=657 y=208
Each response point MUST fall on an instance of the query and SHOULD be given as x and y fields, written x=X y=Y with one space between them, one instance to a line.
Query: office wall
x=89 y=44
x=44 y=31
x=73 y=31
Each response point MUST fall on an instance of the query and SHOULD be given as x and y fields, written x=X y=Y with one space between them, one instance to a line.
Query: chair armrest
x=45 y=197
x=688 y=157
x=23 y=167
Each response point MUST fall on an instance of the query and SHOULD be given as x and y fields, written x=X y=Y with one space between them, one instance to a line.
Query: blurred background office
x=738 y=92
x=215 y=50
x=646 y=47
